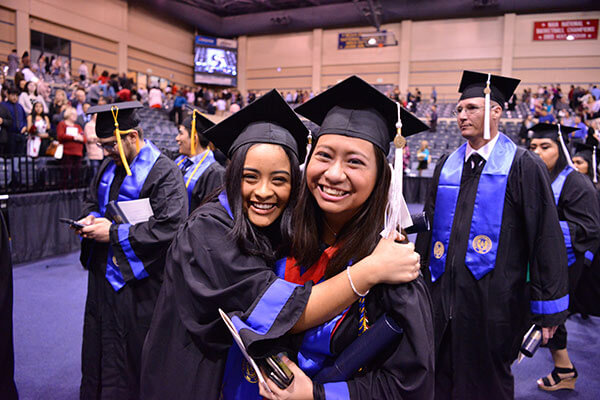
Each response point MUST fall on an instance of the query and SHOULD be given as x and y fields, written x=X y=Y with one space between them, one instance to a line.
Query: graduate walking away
x=125 y=261
x=576 y=200
x=225 y=256
x=494 y=224
x=202 y=174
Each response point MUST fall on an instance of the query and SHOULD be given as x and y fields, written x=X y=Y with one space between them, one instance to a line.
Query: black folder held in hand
x=384 y=333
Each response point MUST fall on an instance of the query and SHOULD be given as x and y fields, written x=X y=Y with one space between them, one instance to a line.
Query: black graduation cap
x=473 y=84
x=202 y=123
x=105 y=122
x=268 y=119
x=550 y=131
x=588 y=153
x=584 y=151
x=355 y=108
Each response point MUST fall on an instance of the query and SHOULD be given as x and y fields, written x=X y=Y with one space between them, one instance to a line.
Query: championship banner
x=575 y=29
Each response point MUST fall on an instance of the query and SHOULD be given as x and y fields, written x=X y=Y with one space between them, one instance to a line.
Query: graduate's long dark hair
x=273 y=241
x=356 y=239
x=561 y=162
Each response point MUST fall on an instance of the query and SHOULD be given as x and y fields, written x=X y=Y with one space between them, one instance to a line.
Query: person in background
x=70 y=135
x=176 y=113
x=13 y=63
x=93 y=151
x=433 y=95
x=94 y=72
x=526 y=125
x=58 y=106
x=423 y=157
x=583 y=161
x=155 y=98
x=493 y=217
x=579 y=212
x=30 y=96
x=83 y=70
x=579 y=135
x=38 y=127
x=433 y=119
x=17 y=133
x=5 y=125
x=84 y=118
x=78 y=101
x=125 y=261
x=201 y=173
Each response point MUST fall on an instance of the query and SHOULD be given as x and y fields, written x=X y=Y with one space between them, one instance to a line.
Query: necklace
x=330 y=228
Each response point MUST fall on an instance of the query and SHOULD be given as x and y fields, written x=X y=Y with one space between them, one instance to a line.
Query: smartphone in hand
x=74 y=224
x=276 y=370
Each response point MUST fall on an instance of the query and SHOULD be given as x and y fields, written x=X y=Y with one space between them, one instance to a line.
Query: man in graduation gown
x=125 y=261
x=202 y=174
x=494 y=224
x=8 y=389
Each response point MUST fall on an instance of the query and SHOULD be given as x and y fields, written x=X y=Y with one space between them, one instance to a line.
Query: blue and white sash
x=557 y=187
x=487 y=212
x=130 y=190
x=200 y=163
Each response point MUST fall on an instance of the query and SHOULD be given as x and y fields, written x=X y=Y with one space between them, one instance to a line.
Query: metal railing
x=22 y=174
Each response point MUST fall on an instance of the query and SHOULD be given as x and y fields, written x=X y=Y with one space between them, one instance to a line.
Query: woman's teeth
x=263 y=206
x=333 y=192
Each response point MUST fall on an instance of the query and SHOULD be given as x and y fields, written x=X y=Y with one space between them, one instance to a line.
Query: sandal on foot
x=554 y=381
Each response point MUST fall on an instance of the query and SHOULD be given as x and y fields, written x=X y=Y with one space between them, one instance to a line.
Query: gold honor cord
x=193 y=133
x=115 y=113
x=196 y=169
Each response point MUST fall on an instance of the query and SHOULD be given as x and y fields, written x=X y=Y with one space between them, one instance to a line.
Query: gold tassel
x=193 y=134
x=115 y=113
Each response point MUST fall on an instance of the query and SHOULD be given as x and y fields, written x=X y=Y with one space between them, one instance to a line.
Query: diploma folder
x=129 y=212
x=238 y=340
x=381 y=335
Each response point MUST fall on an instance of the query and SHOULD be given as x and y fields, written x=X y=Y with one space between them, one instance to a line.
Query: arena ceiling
x=229 y=18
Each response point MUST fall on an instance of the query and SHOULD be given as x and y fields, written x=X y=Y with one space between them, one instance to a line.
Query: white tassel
x=486 y=121
x=595 y=165
x=308 y=146
x=564 y=148
x=397 y=214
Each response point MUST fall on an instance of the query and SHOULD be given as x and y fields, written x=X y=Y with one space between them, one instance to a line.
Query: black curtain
x=34 y=227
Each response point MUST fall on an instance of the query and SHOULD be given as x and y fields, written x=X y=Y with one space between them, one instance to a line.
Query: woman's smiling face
x=266 y=183
x=341 y=175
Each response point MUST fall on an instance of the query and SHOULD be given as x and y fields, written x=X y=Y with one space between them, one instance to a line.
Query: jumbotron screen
x=212 y=60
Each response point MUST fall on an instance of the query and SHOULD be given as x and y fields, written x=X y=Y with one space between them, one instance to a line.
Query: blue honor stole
x=130 y=190
x=200 y=163
x=557 y=187
x=487 y=212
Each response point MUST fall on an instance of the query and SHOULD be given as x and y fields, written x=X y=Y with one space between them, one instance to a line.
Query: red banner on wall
x=575 y=29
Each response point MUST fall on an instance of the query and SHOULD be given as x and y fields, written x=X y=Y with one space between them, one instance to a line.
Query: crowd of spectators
x=34 y=106
x=579 y=108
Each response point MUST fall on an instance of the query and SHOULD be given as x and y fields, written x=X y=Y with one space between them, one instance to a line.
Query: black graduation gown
x=578 y=206
x=587 y=294
x=210 y=180
x=115 y=323
x=402 y=371
x=8 y=390
x=479 y=324
x=187 y=345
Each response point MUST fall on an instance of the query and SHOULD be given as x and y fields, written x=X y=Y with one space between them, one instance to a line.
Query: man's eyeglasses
x=110 y=146
x=470 y=109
